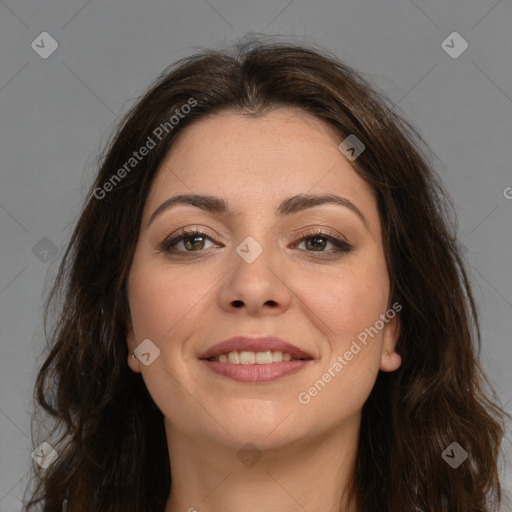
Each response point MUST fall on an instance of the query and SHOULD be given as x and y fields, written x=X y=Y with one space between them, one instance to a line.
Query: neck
x=307 y=474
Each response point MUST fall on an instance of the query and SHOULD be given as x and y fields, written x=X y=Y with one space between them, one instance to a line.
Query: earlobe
x=133 y=362
x=391 y=360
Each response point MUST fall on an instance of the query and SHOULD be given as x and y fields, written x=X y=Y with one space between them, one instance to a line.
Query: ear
x=131 y=342
x=390 y=360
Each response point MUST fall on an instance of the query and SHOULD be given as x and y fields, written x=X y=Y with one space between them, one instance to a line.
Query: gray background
x=57 y=112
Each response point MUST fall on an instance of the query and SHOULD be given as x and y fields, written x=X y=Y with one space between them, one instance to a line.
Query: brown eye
x=316 y=243
x=319 y=241
x=192 y=241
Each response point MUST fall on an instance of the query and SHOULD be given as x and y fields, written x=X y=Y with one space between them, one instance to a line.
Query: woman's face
x=260 y=269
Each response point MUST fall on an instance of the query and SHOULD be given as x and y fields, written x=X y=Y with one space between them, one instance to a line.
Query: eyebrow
x=289 y=206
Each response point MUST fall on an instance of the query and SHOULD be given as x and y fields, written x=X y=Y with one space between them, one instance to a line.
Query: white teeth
x=233 y=357
x=248 y=357
x=277 y=356
x=264 y=357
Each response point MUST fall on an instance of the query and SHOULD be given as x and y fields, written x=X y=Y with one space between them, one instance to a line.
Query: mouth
x=250 y=357
x=255 y=359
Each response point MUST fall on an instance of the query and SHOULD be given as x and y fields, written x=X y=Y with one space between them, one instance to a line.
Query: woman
x=263 y=307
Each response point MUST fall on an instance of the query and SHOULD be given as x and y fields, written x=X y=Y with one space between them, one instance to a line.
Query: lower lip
x=256 y=372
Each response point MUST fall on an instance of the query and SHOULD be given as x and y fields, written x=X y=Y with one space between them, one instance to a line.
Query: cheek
x=160 y=299
x=349 y=306
x=349 y=302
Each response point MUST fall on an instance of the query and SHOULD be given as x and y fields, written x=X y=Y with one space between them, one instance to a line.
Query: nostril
x=237 y=303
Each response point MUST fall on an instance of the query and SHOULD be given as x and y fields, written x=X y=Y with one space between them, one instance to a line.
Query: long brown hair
x=108 y=432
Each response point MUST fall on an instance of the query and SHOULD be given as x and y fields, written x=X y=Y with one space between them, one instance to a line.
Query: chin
x=265 y=427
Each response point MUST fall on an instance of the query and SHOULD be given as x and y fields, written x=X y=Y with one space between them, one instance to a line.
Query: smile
x=255 y=359
x=249 y=357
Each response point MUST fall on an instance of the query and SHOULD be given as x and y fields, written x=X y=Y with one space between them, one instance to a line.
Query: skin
x=186 y=302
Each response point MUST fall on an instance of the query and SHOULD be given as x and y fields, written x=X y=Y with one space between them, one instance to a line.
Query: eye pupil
x=317 y=245
x=194 y=239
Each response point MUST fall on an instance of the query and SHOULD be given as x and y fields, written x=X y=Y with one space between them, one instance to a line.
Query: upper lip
x=254 y=344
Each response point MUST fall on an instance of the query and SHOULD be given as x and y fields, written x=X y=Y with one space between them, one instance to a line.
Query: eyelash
x=167 y=245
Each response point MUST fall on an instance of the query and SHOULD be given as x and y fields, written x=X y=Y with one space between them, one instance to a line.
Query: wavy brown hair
x=107 y=430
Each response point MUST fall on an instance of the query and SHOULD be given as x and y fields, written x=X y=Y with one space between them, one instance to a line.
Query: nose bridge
x=255 y=228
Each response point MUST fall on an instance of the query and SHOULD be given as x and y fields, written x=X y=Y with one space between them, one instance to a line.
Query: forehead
x=254 y=159
x=277 y=135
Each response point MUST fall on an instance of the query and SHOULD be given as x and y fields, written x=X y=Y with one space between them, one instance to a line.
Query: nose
x=256 y=288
